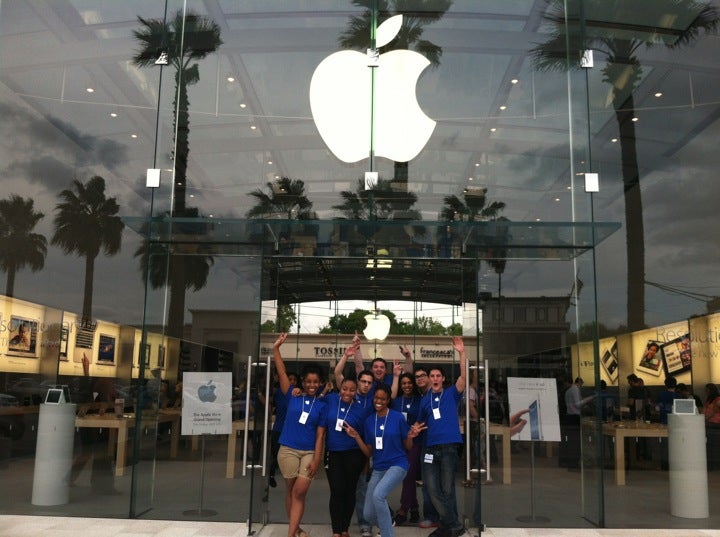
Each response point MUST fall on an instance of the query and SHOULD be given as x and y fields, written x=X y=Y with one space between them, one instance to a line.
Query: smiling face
x=311 y=383
x=421 y=379
x=380 y=402
x=348 y=390
x=406 y=385
x=365 y=381
x=379 y=369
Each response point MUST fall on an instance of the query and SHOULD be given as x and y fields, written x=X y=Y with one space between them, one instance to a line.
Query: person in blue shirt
x=664 y=402
x=386 y=437
x=408 y=404
x=302 y=437
x=438 y=413
x=345 y=459
x=280 y=404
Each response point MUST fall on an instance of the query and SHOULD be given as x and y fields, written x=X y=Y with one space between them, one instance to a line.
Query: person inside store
x=638 y=397
x=430 y=517
x=408 y=404
x=664 y=405
x=386 y=437
x=438 y=413
x=570 y=422
x=685 y=392
x=712 y=426
x=608 y=402
x=302 y=437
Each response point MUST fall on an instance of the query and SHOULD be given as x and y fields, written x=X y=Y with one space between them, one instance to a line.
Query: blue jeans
x=439 y=476
x=382 y=483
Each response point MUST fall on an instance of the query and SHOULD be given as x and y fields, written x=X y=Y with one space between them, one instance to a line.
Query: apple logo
x=378 y=327
x=342 y=103
x=206 y=392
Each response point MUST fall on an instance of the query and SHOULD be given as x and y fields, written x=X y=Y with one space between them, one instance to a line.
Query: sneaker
x=414 y=516
x=365 y=532
x=399 y=519
x=427 y=523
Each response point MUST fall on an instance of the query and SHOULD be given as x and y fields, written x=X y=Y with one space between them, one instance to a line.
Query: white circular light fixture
x=377 y=327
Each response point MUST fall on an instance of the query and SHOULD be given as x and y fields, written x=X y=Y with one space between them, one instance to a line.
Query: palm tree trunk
x=634 y=227
x=176 y=307
x=182 y=143
x=10 y=285
x=88 y=295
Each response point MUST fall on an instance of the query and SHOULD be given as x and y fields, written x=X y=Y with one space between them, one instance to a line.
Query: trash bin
x=54 y=454
x=688 y=466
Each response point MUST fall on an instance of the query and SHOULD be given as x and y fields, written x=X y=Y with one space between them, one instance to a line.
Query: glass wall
x=264 y=126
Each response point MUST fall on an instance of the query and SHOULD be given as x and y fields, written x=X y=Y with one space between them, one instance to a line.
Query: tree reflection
x=571 y=33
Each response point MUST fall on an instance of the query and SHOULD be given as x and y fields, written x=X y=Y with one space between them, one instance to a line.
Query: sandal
x=301 y=533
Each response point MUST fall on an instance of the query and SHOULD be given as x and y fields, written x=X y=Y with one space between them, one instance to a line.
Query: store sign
x=207 y=403
x=352 y=93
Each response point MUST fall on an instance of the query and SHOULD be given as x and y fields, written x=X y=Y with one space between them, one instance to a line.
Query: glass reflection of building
x=110 y=281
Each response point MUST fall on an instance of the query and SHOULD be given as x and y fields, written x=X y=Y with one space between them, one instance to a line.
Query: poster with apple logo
x=207 y=403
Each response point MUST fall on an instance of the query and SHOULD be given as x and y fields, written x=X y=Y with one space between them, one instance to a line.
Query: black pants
x=570 y=444
x=343 y=471
x=274 y=448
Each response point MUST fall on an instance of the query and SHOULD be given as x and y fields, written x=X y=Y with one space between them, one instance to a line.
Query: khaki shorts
x=294 y=462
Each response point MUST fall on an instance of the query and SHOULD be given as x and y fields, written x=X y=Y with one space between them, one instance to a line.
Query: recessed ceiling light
x=614 y=140
x=470 y=178
x=192 y=195
x=179 y=183
x=277 y=177
x=493 y=129
x=253 y=127
x=514 y=81
x=503 y=107
x=269 y=161
x=210 y=215
x=477 y=164
x=635 y=118
x=90 y=90
x=537 y=219
x=557 y=199
x=113 y=114
x=242 y=105
x=133 y=136
x=231 y=79
x=658 y=94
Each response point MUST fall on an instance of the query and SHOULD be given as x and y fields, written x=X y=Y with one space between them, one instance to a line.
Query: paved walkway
x=32 y=526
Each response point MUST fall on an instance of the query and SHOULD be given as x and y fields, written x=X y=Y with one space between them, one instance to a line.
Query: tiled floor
x=31 y=526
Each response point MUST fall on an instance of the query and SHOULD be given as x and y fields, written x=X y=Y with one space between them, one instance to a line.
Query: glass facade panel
x=117 y=289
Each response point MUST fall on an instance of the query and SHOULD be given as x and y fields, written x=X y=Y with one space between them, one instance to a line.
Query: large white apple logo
x=377 y=327
x=341 y=96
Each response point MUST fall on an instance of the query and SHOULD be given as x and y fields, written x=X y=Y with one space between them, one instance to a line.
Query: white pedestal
x=688 y=466
x=54 y=454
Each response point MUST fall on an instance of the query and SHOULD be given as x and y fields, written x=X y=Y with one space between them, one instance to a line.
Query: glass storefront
x=184 y=179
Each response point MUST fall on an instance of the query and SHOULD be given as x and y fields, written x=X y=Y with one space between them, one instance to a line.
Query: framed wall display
x=651 y=361
x=610 y=362
x=106 y=352
x=161 y=356
x=22 y=337
x=677 y=355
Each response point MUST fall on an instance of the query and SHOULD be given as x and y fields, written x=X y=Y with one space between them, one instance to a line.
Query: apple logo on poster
x=340 y=99
x=206 y=392
x=377 y=327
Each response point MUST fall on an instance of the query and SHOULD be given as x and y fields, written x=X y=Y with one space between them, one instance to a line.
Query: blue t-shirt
x=393 y=429
x=665 y=402
x=446 y=429
x=297 y=435
x=411 y=407
x=366 y=403
x=353 y=414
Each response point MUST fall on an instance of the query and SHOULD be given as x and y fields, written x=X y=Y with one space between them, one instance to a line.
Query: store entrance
x=514 y=289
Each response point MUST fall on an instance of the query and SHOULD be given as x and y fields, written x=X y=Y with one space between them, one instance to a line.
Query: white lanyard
x=340 y=402
x=379 y=439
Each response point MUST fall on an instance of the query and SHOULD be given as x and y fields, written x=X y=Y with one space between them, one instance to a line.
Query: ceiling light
x=635 y=118
x=192 y=195
x=514 y=81
x=613 y=140
x=537 y=219
x=492 y=130
x=503 y=107
x=90 y=90
x=658 y=94
x=469 y=178
x=231 y=79
x=277 y=177
x=113 y=114
x=133 y=136
x=477 y=164
x=269 y=161
x=253 y=127
x=210 y=215
x=242 y=105
x=557 y=199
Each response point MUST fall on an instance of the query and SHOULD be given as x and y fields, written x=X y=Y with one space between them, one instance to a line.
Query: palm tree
x=184 y=40
x=19 y=246
x=86 y=223
x=287 y=197
x=380 y=203
x=416 y=15
x=471 y=207
x=570 y=36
